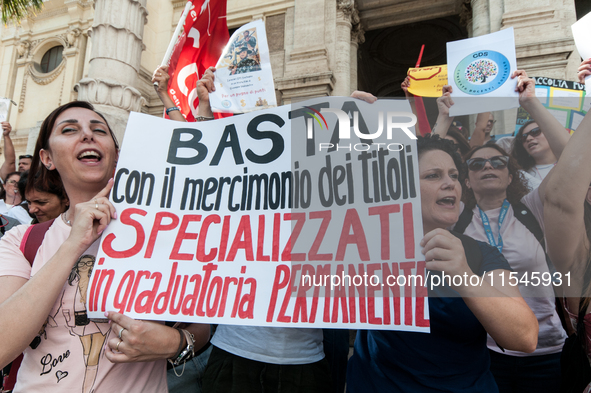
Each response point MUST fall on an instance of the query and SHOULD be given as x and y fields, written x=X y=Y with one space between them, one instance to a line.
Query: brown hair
x=516 y=190
x=518 y=152
x=455 y=133
x=44 y=178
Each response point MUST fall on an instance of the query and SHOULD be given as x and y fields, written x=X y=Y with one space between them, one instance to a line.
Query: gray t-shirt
x=7 y=224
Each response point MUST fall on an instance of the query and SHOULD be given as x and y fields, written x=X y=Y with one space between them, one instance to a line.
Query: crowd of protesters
x=488 y=207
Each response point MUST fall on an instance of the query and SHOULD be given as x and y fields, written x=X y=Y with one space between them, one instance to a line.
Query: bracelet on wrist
x=182 y=344
x=203 y=118
x=172 y=109
x=187 y=350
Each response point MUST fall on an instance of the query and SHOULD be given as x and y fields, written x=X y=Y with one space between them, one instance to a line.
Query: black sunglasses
x=533 y=132
x=25 y=156
x=497 y=162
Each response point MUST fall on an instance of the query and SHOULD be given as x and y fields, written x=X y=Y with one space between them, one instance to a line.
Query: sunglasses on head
x=497 y=162
x=533 y=132
x=25 y=156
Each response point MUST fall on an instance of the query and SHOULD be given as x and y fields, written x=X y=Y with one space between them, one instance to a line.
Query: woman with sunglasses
x=494 y=185
x=536 y=151
x=538 y=143
x=42 y=307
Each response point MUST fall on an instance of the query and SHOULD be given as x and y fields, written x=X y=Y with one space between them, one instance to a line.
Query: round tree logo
x=482 y=72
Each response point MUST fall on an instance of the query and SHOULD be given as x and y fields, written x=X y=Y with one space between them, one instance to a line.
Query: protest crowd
x=495 y=209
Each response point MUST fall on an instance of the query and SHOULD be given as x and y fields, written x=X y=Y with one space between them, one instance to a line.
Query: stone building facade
x=108 y=49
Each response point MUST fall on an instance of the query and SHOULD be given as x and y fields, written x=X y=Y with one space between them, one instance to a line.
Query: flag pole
x=422 y=118
x=180 y=29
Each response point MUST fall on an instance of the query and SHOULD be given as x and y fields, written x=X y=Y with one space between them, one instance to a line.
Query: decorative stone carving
x=44 y=79
x=116 y=49
x=110 y=92
x=22 y=49
x=357 y=34
x=346 y=6
x=21 y=102
x=72 y=36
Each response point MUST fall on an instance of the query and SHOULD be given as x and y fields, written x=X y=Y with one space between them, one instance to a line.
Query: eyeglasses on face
x=12 y=182
x=491 y=122
x=533 y=132
x=89 y=263
x=497 y=162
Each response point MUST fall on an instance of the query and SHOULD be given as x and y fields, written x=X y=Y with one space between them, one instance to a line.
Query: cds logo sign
x=482 y=72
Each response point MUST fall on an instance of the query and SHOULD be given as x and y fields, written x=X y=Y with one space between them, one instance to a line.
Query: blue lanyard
x=488 y=230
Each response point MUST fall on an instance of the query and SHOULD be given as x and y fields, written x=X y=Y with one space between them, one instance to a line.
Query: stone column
x=342 y=69
x=357 y=37
x=116 y=36
x=480 y=18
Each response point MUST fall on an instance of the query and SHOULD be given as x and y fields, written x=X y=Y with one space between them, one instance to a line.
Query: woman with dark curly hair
x=453 y=357
x=494 y=188
x=536 y=152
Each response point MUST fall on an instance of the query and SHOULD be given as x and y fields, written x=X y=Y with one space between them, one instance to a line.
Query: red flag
x=198 y=47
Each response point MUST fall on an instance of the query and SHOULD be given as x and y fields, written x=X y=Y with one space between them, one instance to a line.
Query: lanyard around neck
x=488 y=230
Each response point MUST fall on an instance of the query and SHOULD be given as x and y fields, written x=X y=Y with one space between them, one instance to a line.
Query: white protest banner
x=481 y=68
x=581 y=33
x=243 y=77
x=4 y=106
x=288 y=217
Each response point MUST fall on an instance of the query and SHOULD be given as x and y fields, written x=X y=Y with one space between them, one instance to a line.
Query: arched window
x=51 y=59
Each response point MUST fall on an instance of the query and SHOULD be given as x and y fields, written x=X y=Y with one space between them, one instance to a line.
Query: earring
x=49 y=167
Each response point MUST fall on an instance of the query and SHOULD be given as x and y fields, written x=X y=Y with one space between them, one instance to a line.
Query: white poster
x=4 y=105
x=481 y=68
x=243 y=77
x=269 y=219
x=581 y=34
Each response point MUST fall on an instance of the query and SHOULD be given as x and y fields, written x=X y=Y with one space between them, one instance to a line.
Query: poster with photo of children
x=243 y=56
x=243 y=77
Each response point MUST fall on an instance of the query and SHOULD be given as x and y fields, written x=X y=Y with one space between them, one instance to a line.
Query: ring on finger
x=95 y=204
x=121 y=332
x=117 y=347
